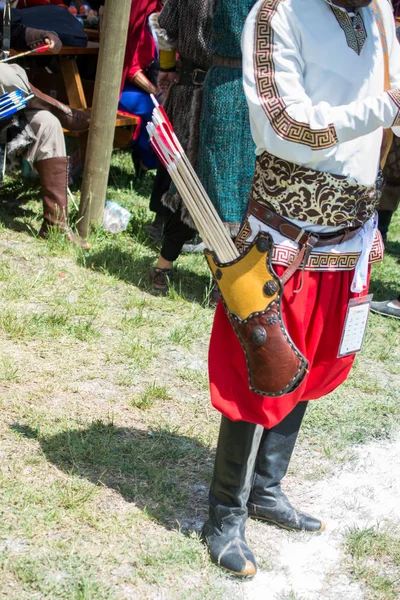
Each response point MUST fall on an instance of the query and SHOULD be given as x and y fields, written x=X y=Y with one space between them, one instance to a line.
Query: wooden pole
x=105 y=103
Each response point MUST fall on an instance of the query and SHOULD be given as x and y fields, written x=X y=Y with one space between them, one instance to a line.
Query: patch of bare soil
x=364 y=493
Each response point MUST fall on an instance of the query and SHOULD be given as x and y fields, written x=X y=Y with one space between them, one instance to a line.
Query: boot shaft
x=53 y=173
x=237 y=448
x=276 y=449
x=224 y=531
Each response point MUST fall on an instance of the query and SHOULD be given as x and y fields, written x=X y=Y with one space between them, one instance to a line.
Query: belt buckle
x=194 y=76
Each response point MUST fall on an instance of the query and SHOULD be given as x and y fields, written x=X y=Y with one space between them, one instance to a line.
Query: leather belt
x=227 y=62
x=301 y=236
x=190 y=73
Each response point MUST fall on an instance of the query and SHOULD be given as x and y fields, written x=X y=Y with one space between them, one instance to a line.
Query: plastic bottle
x=116 y=218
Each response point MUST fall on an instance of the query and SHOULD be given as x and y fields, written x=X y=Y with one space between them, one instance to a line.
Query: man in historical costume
x=388 y=204
x=390 y=196
x=314 y=78
x=220 y=109
x=36 y=133
x=390 y=199
x=184 y=29
x=226 y=169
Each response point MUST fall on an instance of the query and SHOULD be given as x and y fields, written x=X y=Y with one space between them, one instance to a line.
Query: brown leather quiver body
x=252 y=295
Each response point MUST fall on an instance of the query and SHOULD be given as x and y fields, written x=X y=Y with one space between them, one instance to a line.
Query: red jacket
x=140 y=44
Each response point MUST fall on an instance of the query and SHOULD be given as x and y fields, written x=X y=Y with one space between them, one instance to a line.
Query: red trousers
x=314 y=318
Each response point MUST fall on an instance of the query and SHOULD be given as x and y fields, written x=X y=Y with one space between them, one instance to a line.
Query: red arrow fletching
x=42 y=48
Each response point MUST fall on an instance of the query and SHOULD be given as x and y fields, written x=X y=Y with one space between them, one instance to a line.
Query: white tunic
x=314 y=82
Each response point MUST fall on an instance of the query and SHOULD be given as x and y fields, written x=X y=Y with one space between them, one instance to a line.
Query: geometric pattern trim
x=354 y=29
x=326 y=261
x=395 y=96
x=274 y=106
x=243 y=235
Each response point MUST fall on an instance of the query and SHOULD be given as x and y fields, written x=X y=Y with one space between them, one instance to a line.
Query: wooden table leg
x=73 y=83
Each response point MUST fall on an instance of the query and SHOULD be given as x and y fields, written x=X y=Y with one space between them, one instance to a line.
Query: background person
x=37 y=133
x=138 y=83
x=186 y=27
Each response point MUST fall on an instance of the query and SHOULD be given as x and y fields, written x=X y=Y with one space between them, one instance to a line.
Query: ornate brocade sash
x=317 y=197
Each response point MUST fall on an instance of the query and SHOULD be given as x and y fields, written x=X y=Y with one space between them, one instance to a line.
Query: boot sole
x=234 y=573
x=384 y=314
x=264 y=520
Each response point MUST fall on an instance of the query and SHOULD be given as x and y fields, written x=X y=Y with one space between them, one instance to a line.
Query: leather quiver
x=252 y=295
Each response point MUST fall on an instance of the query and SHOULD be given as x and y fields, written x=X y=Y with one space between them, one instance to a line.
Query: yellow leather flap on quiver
x=248 y=284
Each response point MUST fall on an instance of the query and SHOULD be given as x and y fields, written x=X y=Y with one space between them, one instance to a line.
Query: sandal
x=161 y=279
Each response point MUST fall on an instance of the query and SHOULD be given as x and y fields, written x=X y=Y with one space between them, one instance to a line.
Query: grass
x=150 y=394
x=9 y=371
x=376 y=561
x=107 y=438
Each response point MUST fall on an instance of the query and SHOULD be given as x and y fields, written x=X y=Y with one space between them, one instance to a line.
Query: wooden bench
x=92 y=34
x=124 y=129
x=124 y=125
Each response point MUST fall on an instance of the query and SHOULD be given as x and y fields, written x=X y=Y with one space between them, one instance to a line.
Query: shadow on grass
x=393 y=248
x=122 y=179
x=163 y=473
x=14 y=195
x=383 y=290
x=121 y=264
x=135 y=270
x=122 y=175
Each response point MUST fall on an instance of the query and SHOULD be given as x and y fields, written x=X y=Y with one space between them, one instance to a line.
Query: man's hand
x=53 y=42
x=165 y=80
x=36 y=37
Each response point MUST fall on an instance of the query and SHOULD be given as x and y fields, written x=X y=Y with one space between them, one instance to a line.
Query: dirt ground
x=364 y=493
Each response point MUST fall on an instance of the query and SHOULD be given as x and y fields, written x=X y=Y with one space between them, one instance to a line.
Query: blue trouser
x=137 y=102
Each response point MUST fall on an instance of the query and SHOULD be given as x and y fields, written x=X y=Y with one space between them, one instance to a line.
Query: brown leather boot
x=53 y=173
x=70 y=118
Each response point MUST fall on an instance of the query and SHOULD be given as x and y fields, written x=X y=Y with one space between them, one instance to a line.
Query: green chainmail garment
x=225 y=161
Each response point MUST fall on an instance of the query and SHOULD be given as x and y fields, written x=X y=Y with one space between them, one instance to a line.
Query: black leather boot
x=224 y=532
x=267 y=502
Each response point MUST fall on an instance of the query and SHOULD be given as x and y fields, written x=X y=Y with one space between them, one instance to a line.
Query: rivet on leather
x=263 y=244
x=272 y=319
x=268 y=216
x=270 y=288
x=259 y=336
